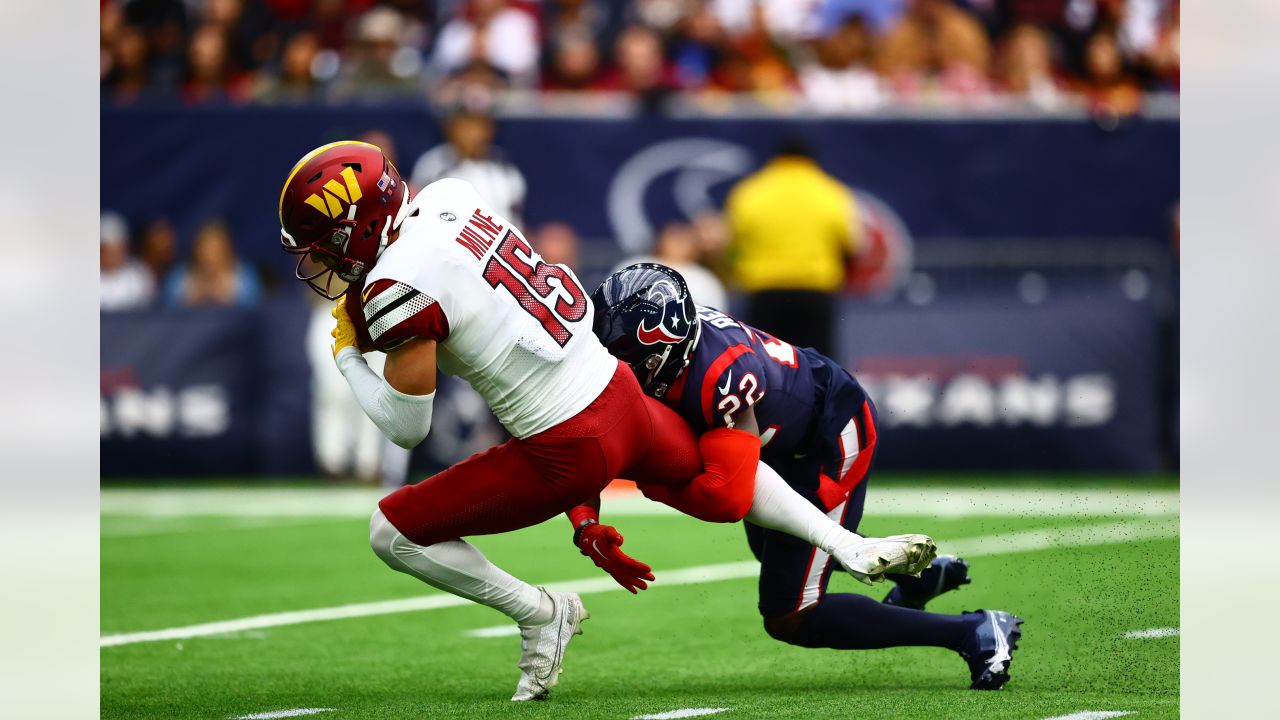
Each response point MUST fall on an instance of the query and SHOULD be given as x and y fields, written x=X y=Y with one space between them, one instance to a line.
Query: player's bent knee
x=784 y=627
x=381 y=535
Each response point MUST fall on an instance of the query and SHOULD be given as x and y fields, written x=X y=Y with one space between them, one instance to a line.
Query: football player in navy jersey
x=817 y=429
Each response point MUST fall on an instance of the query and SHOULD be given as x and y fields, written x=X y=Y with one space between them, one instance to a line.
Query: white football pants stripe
x=848 y=448
x=818 y=560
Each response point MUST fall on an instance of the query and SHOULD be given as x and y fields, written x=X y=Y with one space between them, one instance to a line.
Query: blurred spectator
x=640 y=68
x=779 y=19
x=214 y=275
x=754 y=60
x=713 y=239
x=217 y=50
x=493 y=32
x=1107 y=86
x=1159 y=54
x=383 y=140
x=678 y=248
x=936 y=44
x=209 y=75
x=1026 y=67
x=158 y=250
x=468 y=154
x=296 y=78
x=124 y=283
x=599 y=21
x=477 y=83
x=383 y=60
x=557 y=243
x=843 y=79
x=166 y=26
x=125 y=69
x=791 y=229
x=879 y=15
x=575 y=62
x=700 y=47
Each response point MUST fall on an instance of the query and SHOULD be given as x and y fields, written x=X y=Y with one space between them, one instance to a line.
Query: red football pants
x=622 y=433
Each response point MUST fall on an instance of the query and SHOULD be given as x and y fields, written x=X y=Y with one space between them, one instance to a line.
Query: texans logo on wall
x=689 y=176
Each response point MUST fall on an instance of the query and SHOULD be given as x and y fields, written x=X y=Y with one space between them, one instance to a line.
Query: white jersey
x=514 y=327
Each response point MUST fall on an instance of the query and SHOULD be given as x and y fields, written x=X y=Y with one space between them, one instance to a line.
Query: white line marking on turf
x=295 y=712
x=682 y=713
x=1151 y=633
x=901 y=501
x=493 y=632
x=1028 y=541
x=1092 y=715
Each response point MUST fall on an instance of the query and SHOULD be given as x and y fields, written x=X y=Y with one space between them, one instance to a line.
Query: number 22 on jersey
x=547 y=292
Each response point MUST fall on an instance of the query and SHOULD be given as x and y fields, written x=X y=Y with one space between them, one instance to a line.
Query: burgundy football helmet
x=338 y=208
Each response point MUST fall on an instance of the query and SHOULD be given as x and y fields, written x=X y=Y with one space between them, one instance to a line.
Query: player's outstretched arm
x=400 y=405
x=603 y=544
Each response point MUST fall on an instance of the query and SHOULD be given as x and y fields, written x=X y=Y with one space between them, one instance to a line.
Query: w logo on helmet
x=329 y=200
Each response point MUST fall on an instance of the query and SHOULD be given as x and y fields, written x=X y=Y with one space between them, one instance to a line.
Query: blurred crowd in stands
x=831 y=55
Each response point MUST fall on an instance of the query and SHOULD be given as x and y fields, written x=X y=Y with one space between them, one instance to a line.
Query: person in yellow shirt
x=792 y=230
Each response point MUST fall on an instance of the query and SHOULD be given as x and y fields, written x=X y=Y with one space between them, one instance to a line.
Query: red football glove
x=603 y=544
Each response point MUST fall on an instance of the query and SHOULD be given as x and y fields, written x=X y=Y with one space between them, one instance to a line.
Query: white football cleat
x=542 y=646
x=870 y=559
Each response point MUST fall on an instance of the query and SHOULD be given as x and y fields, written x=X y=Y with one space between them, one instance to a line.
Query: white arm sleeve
x=405 y=419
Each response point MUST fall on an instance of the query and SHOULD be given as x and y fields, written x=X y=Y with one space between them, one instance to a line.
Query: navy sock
x=857 y=622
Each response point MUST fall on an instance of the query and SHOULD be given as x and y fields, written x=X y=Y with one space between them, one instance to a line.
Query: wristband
x=577 y=531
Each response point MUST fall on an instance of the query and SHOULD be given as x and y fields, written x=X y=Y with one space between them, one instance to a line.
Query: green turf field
x=1083 y=568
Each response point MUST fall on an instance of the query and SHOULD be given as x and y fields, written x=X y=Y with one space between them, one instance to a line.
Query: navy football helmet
x=646 y=318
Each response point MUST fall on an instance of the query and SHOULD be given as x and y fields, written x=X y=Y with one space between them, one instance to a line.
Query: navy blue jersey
x=805 y=404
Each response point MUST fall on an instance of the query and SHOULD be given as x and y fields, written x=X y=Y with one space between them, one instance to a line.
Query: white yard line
x=903 y=501
x=294 y=712
x=1028 y=541
x=681 y=713
x=1093 y=715
x=1152 y=633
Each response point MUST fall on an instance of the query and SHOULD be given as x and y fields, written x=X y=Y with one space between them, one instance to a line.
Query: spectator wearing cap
x=792 y=228
x=468 y=154
x=124 y=283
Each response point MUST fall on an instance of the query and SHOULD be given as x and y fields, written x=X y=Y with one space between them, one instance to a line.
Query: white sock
x=779 y=507
x=457 y=567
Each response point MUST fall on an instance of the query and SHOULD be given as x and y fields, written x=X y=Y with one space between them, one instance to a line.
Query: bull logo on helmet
x=663 y=294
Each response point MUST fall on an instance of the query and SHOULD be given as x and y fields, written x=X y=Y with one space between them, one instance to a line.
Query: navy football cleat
x=989 y=649
x=947 y=573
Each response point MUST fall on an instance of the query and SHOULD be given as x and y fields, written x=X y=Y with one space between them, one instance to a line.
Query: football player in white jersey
x=442 y=280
